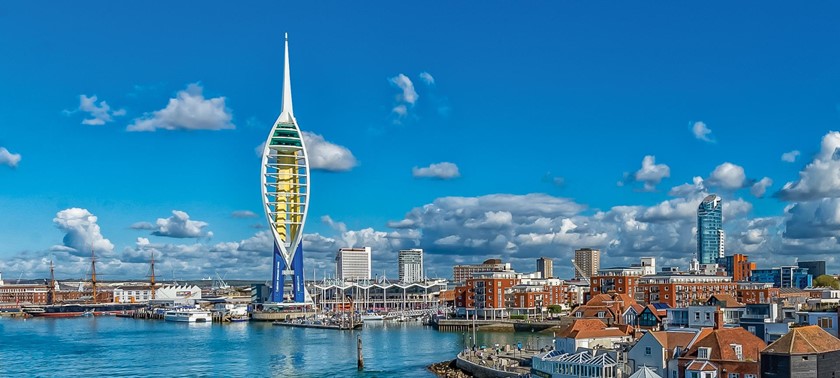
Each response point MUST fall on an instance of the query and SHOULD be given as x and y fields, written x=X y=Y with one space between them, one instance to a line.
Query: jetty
x=339 y=327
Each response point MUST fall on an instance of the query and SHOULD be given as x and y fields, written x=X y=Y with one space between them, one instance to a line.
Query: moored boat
x=372 y=317
x=76 y=310
x=191 y=315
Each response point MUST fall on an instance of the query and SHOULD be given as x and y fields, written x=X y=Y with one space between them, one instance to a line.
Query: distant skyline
x=471 y=131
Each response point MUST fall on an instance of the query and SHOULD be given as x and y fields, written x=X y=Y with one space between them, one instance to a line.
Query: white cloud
x=8 y=158
x=821 y=177
x=188 y=111
x=82 y=233
x=327 y=156
x=406 y=98
x=728 y=176
x=760 y=187
x=685 y=190
x=243 y=214
x=408 y=95
x=702 y=132
x=99 y=114
x=427 y=78
x=179 y=225
x=651 y=174
x=791 y=156
x=443 y=171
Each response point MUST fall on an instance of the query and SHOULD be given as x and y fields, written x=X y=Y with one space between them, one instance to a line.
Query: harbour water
x=110 y=346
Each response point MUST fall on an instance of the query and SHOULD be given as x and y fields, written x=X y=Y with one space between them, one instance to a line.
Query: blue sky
x=545 y=115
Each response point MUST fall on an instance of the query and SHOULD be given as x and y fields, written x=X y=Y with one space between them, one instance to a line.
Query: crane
x=582 y=274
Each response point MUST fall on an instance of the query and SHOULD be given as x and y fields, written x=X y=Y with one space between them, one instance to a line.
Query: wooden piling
x=361 y=360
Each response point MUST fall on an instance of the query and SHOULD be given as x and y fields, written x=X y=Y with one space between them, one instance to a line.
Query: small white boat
x=372 y=317
x=191 y=315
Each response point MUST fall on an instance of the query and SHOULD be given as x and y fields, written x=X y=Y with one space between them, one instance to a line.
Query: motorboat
x=192 y=315
x=372 y=317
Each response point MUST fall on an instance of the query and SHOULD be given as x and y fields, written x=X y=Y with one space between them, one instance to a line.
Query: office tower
x=285 y=193
x=546 y=267
x=589 y=261
x=710 y=237
x=352 y=264
x=815 y=268
x=411 y=265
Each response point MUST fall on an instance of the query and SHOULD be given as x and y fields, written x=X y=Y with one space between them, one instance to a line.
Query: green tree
x=555 y=309
x=827 y=281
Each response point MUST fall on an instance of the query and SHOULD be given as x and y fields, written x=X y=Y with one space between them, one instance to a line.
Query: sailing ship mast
x=51 y=289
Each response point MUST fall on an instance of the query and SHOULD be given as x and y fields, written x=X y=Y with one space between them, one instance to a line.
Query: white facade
x=570 y=344
x=178 y=294
x=411 y=265
x=353 y=264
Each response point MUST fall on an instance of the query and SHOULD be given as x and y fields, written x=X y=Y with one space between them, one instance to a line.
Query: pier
x=493 y=325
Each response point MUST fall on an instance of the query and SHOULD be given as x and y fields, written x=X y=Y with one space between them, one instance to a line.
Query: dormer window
x=703 y=353
x=601 y=314
x=739 y=351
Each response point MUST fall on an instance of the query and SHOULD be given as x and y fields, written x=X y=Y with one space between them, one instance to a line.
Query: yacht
x=192 y=315
x=371 y=317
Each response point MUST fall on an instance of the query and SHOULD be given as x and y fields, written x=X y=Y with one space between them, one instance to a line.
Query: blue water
x=110 y=346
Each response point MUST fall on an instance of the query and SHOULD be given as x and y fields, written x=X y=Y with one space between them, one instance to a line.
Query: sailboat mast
x=93 y=272
x=152 y=276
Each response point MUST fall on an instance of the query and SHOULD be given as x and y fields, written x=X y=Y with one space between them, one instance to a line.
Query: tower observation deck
x=285 y=195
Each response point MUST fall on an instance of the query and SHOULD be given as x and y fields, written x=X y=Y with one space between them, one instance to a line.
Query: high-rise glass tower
x=710 y=237
x=410 y=265
x=285 y=194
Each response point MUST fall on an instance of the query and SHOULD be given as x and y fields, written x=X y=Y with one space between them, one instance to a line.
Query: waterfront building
x=461 y=273
x=353 y=264
x=484 y=294
x=589 y=261
x=654 y=349
x=803 y=352
x=546 y=267
x=410 y=265
x=815 y=268
x=165 y=294
x=368 y=296
x=285 y=185
x=681 y=290
x=23 y=293
x=710 y=236
x=720 y=351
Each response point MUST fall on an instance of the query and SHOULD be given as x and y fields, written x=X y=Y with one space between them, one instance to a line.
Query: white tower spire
x=287 y=114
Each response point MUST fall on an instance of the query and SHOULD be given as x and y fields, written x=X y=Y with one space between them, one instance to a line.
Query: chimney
x=718 y=319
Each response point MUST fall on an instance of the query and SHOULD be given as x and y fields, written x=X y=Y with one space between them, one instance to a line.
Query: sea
x=123 y=347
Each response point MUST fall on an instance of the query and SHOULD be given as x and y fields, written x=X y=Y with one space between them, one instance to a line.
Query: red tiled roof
x=804 y=340
x=672 y=339
x=720 y=341
x=701 y=366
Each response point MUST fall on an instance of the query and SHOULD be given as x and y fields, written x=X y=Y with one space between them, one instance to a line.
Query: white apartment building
x=411 y=265
x=352 y=264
